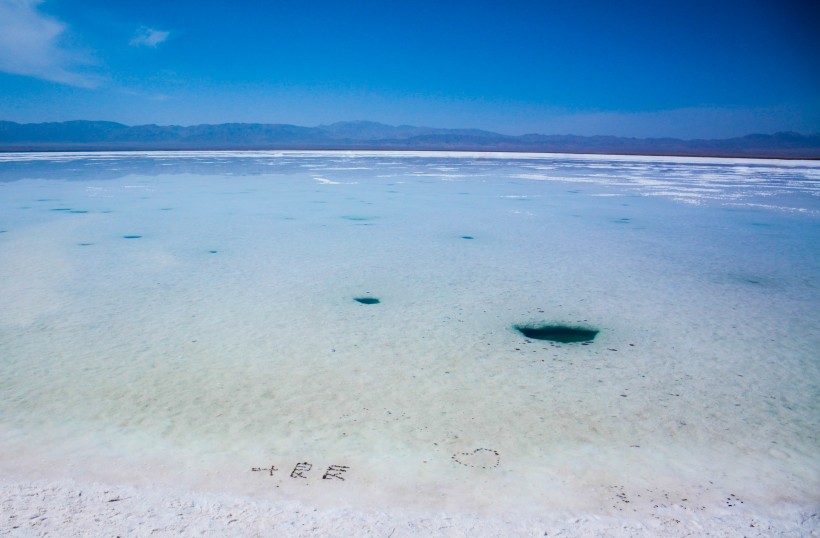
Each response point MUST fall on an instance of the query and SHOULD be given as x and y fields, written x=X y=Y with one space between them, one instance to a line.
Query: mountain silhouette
x=104 y=135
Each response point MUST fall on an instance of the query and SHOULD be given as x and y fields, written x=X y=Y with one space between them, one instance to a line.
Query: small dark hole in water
x=366 y=300
x=212 y=251
x=131 y=236
x=61 y=209
x=78 y=211
x=467 y=237
x=85 y=244
x=557 y=333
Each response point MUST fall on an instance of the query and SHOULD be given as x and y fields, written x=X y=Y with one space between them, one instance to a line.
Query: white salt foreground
x=173 y=321
x=71 y=509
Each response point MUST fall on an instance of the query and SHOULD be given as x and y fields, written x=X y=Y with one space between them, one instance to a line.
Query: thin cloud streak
x=149 y=37
x=29 y=45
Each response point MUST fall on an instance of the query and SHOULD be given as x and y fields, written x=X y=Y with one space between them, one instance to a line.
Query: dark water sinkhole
x=557 y=333
x=366 y=300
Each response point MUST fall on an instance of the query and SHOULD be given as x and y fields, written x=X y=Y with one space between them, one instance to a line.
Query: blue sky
x=688 y=69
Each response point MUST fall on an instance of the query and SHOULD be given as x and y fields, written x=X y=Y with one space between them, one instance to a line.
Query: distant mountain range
x=103 y=135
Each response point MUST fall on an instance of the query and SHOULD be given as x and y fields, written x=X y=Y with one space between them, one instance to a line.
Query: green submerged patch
x=564 y=334
x=366 y=300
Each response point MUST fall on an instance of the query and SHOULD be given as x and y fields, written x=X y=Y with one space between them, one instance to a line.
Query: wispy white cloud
x=149 y=37
x=30 y=45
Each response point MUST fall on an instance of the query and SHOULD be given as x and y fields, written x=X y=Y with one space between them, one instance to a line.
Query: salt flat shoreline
x=67 y=508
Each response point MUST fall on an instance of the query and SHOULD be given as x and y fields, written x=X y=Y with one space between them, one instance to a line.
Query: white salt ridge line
x=703 y=189
x=777 y=208
x=324 y=181
x=533 y=176
x=675 y=194
x=348 y=168
x=429 y=174
x=713 y=186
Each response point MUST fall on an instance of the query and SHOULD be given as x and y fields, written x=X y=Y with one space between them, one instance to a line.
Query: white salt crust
x=68 y=509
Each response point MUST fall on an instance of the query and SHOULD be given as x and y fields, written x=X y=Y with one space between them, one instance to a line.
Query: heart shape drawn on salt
x=483 y=458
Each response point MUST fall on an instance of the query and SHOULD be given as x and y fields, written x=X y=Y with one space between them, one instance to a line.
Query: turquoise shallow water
x=186 y=317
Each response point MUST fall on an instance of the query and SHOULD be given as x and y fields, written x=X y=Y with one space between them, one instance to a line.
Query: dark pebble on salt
x=131 y=236
x=212 y=251
x=366 y=300
x=467 y=237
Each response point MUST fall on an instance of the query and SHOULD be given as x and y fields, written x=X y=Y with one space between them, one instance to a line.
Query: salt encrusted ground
x=174 y=320
x=68 y=509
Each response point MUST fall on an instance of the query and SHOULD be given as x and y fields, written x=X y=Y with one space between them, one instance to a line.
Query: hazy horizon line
x=408 y=125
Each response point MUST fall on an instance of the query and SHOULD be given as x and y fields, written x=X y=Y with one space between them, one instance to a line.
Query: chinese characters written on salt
x=303 y=469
